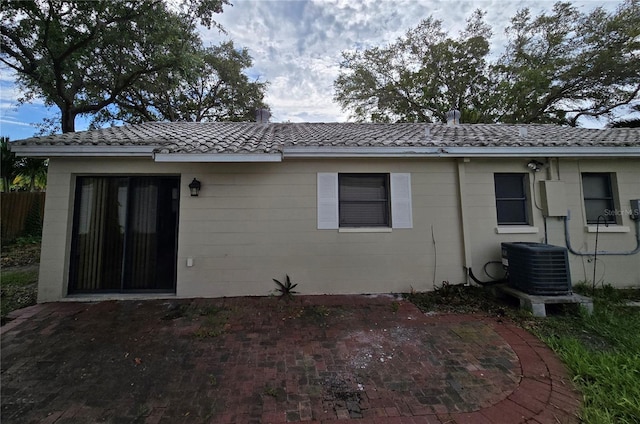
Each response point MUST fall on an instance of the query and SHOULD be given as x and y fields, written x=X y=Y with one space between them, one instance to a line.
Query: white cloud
x=296 y=45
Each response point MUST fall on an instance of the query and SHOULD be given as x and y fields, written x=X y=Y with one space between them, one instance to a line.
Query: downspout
x=466 y=239
x=462 y=193
x=602 y=252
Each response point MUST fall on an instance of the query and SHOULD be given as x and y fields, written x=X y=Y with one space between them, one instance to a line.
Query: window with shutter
x=361 y=201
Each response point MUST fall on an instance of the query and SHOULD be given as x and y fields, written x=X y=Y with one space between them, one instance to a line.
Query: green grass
x=18 y=290
x=602 y=352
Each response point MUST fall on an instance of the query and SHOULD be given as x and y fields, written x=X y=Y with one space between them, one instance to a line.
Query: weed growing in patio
x=285 y=289
x=214 y=319
x=395 y=306
x=459 y=298
x=214 y=323
x=271 y=391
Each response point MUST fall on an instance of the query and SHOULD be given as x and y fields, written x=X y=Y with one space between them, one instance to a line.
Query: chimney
x=453 y=117
x=262 y=116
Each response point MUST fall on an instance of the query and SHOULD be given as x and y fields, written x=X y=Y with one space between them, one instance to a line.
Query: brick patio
x=259 y=360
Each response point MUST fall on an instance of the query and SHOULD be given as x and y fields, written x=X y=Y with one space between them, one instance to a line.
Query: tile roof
x=243 y=137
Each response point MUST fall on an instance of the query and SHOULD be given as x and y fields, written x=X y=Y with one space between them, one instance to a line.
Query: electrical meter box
x=553 y=198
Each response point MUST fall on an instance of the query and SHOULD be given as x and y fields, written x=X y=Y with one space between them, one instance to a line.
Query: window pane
x=363 y=188
x=596 y=186
x=511 y=212
x=364 y=213
x=364 y=200
x=99 y=233
x=599 y=207
x=509 y=185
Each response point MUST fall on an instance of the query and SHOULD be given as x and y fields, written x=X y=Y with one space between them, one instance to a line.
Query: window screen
x=511 y=199
x=364 y=200
x=598 y=198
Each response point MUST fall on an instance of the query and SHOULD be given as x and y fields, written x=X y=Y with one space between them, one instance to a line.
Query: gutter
x=358 y=152
x=310 y=152
x=217 y=157
x=82 y=151
x=302 y=152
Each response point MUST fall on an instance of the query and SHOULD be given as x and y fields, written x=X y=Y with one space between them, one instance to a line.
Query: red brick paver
x=259 y=360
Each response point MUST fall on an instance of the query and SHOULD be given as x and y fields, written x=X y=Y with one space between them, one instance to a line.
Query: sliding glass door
x=124 y=234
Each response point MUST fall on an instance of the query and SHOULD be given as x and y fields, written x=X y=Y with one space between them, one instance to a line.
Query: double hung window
x=512 y=205
x=598 y=198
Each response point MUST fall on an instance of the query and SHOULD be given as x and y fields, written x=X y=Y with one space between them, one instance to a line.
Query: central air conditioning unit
x=537 y=268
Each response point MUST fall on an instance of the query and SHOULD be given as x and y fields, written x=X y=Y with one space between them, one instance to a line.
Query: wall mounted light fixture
x=194 y=187
x=534 y=165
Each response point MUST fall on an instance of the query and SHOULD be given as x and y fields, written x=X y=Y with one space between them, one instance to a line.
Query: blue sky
x=296 y=46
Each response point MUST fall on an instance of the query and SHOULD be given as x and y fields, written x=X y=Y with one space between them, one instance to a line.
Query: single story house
x=339 y=207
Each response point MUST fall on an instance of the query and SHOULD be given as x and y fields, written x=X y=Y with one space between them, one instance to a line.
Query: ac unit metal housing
x=537 y=268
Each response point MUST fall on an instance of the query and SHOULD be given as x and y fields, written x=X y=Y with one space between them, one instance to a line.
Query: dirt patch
x=19 y=277
x=20 y=255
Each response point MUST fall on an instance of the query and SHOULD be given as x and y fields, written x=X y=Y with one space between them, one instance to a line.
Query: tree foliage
x=557 y=67
x=21 y=173
x=565 y=64
x=418 y=77
x=81 y=55
x=9 y=165
x=213 y=88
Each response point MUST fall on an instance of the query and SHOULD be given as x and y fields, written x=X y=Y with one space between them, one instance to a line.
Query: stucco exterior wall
x=252 y=223
x=618 y=270
x=256 y=221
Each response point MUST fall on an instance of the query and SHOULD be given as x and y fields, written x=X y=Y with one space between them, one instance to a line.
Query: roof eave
x=196 y=157
x=50 y=151
x=447 y=151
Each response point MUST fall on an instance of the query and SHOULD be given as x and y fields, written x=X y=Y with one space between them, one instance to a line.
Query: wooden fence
x=21 y=214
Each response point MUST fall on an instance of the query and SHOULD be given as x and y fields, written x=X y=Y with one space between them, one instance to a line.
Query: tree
x=33 y=173
x=21 y=171
x=9 y=165
x=556 y=68
x=564 y=65
x=418 y=77
x=214 y=88
x=81 y=55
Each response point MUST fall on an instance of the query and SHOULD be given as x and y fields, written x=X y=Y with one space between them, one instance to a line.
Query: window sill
x=365 y=230
x=517 y=230
x=609 y=229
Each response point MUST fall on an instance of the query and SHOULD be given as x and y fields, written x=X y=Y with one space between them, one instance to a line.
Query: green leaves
x=210 y=86
x=21 y=173
x=556 y=67
x=83 y=55
x=419 y=77
x=285 y=289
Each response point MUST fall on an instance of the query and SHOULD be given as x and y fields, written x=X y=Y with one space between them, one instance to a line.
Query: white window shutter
x=401 y=214
x=327 y=201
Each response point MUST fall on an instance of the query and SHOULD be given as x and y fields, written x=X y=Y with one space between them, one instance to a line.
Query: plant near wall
x=285 y=289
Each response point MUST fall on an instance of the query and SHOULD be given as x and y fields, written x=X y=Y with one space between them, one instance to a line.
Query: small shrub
x=285 y=289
